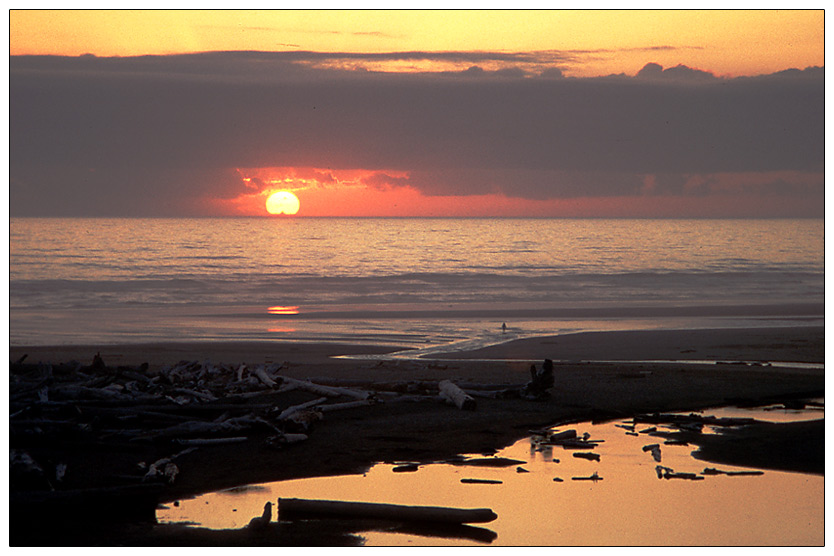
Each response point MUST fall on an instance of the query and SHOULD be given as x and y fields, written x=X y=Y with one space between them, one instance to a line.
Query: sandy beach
x=598 y=376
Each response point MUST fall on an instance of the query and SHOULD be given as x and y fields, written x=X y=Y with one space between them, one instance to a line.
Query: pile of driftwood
x=184 y=407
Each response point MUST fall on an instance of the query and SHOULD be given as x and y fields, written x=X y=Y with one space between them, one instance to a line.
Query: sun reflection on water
x=283 y=310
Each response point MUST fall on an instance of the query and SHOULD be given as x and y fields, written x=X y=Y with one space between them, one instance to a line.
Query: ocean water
x=411 y=282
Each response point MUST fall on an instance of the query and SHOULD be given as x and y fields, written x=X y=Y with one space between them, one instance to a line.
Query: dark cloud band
x=174 y=127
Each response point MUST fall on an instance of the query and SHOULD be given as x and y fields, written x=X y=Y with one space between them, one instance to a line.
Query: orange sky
x=737 y=42
x=345 y=193
x=585 y=43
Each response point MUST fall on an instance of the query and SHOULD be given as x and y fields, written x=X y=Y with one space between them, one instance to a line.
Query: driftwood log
x=288 y=507
x=328 y=391
x=450 y=391
x=482 y=481
x=287 y=413
x=260 y=372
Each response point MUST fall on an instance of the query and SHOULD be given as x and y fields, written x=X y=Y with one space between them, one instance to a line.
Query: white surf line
x=422 y=353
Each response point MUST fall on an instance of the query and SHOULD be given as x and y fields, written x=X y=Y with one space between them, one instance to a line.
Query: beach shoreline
x=586 y=388
x=801 y=343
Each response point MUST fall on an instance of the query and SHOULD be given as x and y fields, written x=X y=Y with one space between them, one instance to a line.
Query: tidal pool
x=543 y=502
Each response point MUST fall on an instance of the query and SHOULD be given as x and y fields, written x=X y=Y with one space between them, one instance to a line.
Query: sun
x=282 y=202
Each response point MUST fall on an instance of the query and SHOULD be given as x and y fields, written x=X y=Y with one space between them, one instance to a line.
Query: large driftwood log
x=329 y=391
x=287 y=507
x=454 y=394
x=287 y=413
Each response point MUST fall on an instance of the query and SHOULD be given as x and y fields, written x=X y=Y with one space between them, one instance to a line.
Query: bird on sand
x=261 y=522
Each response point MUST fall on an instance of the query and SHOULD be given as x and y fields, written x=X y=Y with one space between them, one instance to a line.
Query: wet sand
x=351 y=441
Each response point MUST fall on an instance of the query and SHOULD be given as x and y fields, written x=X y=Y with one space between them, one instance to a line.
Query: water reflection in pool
x=540 y=502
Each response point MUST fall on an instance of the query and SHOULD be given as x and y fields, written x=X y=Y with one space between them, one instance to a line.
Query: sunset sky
x=418 y=113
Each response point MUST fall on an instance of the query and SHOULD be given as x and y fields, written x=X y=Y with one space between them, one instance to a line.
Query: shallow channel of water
x=541 y=502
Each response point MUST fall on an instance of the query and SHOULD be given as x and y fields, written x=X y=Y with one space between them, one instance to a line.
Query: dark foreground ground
x=101 y=440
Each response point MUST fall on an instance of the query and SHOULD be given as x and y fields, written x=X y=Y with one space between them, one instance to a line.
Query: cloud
x=316 y=175
x=680 y=73
x=385 y=182
x=99 y=135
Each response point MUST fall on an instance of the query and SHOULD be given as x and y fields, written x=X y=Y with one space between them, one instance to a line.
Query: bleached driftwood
x=305 y=419
x=239 y=372
x=206 y=396
x=336 y=509
x=286 y=438
x=287 y=413
x=329 y=391
x=454 y=394
x=260 y=372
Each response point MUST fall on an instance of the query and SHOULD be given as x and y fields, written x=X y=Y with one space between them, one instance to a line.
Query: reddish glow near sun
x=282 y=202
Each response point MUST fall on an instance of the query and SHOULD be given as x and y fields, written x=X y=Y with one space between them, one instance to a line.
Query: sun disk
x=282 y=202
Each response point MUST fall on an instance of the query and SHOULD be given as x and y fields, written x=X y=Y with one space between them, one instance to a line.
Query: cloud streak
x=149 y=134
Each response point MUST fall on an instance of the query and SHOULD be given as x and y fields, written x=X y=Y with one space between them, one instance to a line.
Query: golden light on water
x=282 y=202
x=631 y=505
x=283 y=310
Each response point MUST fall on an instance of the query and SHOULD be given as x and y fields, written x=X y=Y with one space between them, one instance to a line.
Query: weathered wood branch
x=287 y=413
x=329 y=391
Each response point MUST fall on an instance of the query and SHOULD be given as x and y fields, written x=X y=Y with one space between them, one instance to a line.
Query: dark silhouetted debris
x=262 y=522
x=407 y=468
x=595 y=477
x=290 y=507
x=541 y=382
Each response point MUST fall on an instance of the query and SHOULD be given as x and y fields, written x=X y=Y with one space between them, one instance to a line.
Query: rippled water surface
x=389 y=280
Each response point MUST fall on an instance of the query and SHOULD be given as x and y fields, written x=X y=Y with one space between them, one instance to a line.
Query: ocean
x=450 y=283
